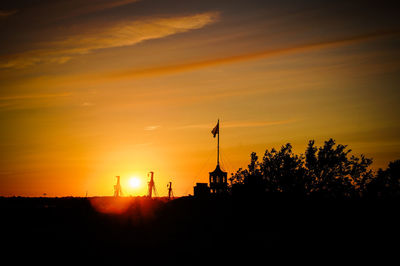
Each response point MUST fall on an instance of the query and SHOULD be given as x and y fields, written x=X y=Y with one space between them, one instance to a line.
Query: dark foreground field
x=140 y=231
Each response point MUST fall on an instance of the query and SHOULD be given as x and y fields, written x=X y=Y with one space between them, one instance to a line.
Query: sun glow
x=134 y=182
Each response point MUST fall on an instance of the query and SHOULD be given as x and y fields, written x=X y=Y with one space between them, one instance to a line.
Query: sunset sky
x=94 y=89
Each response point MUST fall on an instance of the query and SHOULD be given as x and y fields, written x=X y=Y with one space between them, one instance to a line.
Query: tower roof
x=218 y=171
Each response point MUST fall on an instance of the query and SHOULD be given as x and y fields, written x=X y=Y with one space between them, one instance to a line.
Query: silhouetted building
x=218 y=180
x=201 y=190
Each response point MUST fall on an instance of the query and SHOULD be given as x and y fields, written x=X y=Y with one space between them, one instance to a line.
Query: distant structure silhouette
x=218 y=178
x=201 y=190
x=117 y=188
x=170 y=192
x=218 y=181
x=152 y=186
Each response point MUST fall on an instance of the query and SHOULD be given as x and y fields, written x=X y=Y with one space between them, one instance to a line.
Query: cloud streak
x=87 y=7
x=241 y=124
x=151 y=128
x=171 y=69
x=119 y=34
x=33 y=96
x=7 y=13
x=112 y=76
x=24 y=101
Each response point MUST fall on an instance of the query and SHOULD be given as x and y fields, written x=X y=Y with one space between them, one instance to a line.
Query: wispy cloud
x=87 y=104
x=241 y=124
x=33 y=96
x=170 y=69
x=119 y=34
x=150 y=128
x=24 y=101
x=49 y=12
x=87 y=7
x=144 y=144
x=7 y=13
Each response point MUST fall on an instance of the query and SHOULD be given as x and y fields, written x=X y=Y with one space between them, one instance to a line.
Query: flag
x=215 y=130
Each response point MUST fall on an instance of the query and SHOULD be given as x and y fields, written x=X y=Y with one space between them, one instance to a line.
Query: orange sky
x=102 y=88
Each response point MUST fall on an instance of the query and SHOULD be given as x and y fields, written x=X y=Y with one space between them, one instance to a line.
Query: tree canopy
x=327 y=171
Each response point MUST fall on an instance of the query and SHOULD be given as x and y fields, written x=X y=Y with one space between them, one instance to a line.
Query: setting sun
x=134 y=182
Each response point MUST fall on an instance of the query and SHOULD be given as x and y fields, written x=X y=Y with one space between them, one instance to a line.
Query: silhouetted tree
x=243 y=176
x=386 y=184
x=251 y=179
x=359 y=174
x=329 y=171
x=333 y=173
x=254 y=166
x=280 y=171
x=283 y=170
x=238 y=177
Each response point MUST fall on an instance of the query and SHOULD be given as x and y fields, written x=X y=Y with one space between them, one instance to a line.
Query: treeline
x=329 y=171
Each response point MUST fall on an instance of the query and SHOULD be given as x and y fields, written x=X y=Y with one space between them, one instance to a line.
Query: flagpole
x=218 y=144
